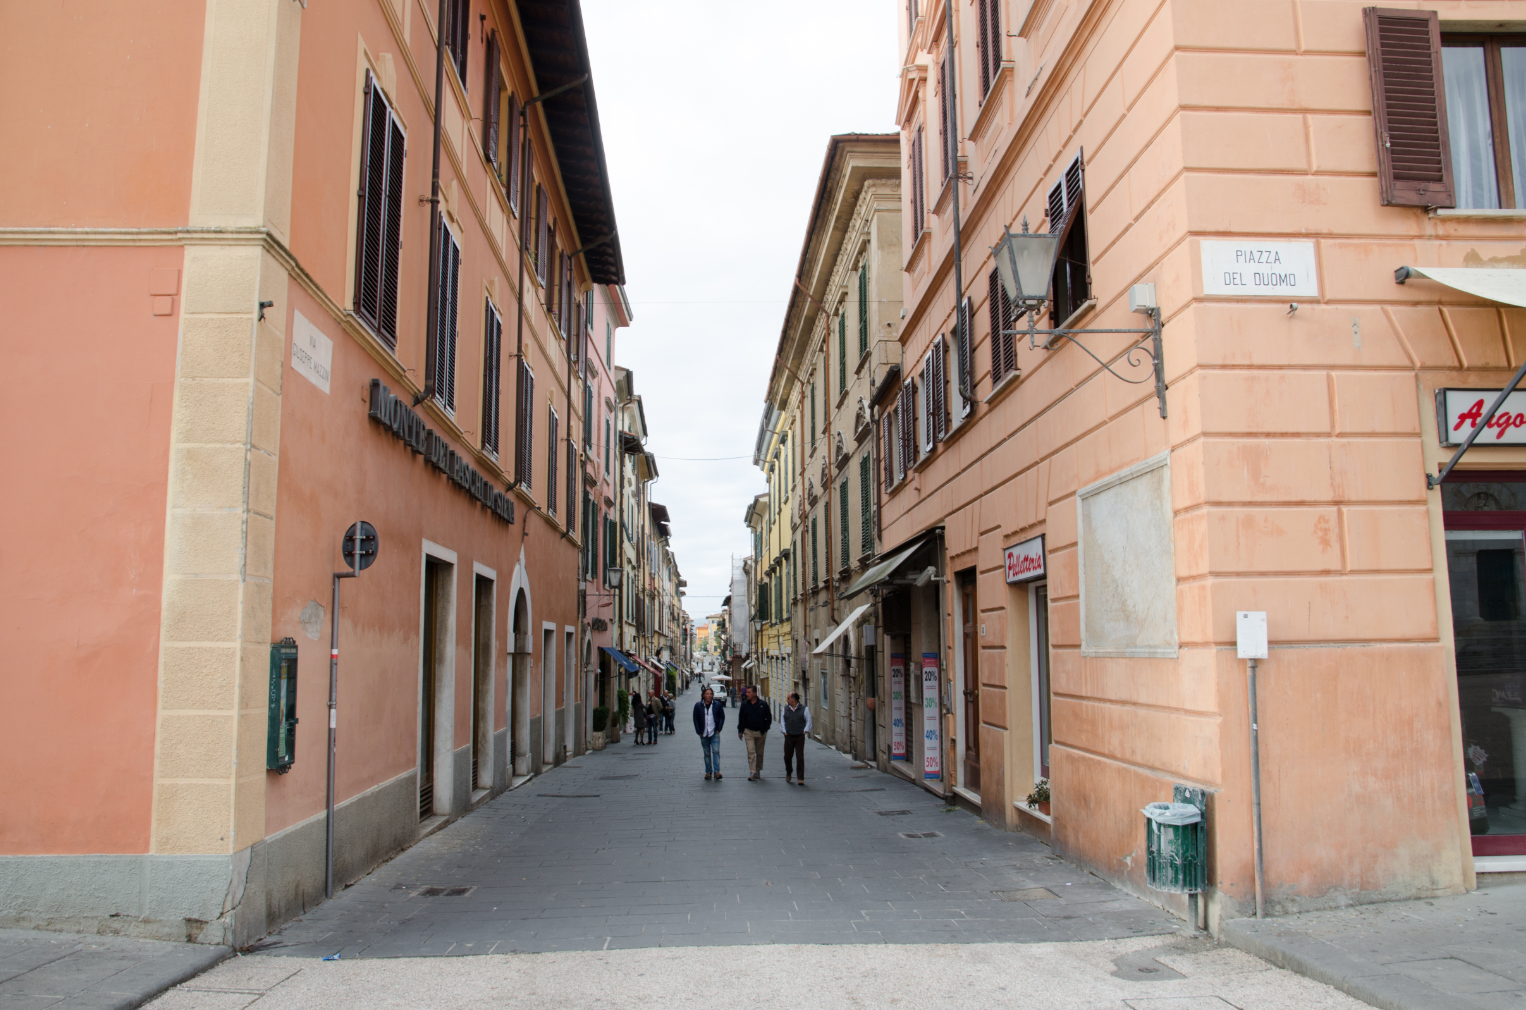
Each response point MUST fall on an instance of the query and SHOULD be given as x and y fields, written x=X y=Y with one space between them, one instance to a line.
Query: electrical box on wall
x=281 y=732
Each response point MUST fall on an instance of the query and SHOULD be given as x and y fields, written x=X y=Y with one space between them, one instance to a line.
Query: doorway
x=969 y=668
x=434 y=678
x=569 y=694
x=548 y=694
x=482 y=683
x=519 y=691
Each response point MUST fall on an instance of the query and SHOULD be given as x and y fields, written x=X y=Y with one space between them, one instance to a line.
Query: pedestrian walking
x=669 y=710
x=794 y=724
x=753 y=722
x=653 y=716
x=638 y=717
x=709 y=717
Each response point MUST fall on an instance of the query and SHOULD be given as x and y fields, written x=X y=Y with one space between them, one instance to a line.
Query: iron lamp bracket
x=1135 y=356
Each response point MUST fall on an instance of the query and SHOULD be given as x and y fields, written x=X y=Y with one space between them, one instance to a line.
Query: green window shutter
x=842 y=351
x=813 y=415
x=842 y=499
x=866 y=525
x=863 y=310
x=815 y=571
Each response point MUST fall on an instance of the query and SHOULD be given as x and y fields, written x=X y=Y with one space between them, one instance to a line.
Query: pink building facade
x=243 y=313
x=1089 y=547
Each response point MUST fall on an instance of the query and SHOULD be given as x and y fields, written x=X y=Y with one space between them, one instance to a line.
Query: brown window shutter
x=543 y=232
x=490 y=101
x=994 y=292
x=1409 y=107
x=526 y=426
x=985 y=46
x=512 y=150
x=943 y=117
x=887 y=453
x=445 y=342
x=492 y=371
x=994 y=54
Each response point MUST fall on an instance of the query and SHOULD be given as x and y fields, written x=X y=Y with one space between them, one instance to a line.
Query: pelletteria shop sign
x=1025 y=561
x=408 y=427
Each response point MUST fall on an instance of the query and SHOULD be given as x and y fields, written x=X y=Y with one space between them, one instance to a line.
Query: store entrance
x=1485 y=519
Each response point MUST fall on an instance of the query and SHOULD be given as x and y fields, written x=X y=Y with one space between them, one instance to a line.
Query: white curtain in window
x=1468 y=123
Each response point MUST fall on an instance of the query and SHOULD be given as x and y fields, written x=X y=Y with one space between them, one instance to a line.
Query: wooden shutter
x=526 y=426
x=937 y=398
x=863 y=309
x=815 y=568
x=445 y=331
x=842 y=522
x=943 y=108
x=551 y=426
x=1003 y=344
x=378 y=238
x=490 y=101
x=572 y=481
x=460 y=33
x=994 y=54
x=1409 y=107
x=985 y=47
x=514 y=154
x=492 y=377
x=887 y=453
x=542 y=232
x=842 y=351
x=865 y=486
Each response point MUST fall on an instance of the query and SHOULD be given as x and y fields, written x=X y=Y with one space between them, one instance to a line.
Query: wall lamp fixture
x=1025 y=262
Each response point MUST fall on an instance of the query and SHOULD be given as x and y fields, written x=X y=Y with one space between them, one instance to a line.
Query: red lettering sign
x=1025 y=561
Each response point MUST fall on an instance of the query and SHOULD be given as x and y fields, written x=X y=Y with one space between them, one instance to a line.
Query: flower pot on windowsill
x=1044 y=808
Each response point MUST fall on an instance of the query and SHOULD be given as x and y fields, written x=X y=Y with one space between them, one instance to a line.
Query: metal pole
x=328 y=825
x=951 y=109
x=1255 y=788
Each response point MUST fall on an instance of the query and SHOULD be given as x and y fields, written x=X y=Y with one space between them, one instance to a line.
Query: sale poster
x=932 y=749
x=897 y=707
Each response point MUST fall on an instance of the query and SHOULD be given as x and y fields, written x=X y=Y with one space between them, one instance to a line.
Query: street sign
x=361 y=535
x=1250 y=634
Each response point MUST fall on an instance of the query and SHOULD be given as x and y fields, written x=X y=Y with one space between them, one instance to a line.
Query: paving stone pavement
x=1462 y=952
x=631 y=847
x=74 y=971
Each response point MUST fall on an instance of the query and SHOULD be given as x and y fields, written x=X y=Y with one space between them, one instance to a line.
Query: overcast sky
x=715 y=118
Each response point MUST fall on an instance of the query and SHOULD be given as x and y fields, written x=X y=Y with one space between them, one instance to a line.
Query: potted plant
x=600 y=721
x=1039 y=798
x=623 y=715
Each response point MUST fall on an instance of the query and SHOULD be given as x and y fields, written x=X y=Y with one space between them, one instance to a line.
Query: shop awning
x=1498 y=284
x=842 y=628
x=880 y=572
x=621 y=658
x=747 y=665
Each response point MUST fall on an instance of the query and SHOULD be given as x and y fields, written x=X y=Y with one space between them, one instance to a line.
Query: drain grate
x=569 y=796
x=1026 y=894
x=921 y=834
x=892 y=813
x=444 y=892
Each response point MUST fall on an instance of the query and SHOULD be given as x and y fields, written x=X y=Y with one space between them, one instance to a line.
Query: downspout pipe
x=432 y=319
x=951 y=110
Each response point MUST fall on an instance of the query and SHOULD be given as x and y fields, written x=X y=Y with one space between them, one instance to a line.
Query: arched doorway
x=519 y=692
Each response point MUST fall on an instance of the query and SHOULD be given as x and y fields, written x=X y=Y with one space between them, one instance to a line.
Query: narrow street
x=672 y=861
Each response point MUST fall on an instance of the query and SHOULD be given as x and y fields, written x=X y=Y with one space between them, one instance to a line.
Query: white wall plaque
x=1126 y=563
x=1458 y=412
x=1254 y=267
x=312 y=353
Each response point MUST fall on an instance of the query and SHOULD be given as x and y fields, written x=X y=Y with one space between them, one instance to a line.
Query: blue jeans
x=711 y=745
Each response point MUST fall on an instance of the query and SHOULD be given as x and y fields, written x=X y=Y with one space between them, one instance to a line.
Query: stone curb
x=163 y=973
x=1368 y=981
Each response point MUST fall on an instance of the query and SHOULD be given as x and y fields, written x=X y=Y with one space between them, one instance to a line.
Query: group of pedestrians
x=652 y=716
x=754 y=720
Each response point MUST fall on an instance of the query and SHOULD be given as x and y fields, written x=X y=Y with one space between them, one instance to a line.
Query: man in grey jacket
x=794 y=724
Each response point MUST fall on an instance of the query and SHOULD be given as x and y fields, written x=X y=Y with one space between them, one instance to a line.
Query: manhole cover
x=921 y=834
x=569 y=796
x=1026 y=894
x=892 y=813
x=444 y=892
x=616 y=778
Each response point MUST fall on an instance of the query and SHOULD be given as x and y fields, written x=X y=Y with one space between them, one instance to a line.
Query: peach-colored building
x=1228 y=154
x=214 y=264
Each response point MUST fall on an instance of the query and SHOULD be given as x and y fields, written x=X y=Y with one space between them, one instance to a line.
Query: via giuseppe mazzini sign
x=1458 y=412
x=409 y=428
x=1025 y=561
x=1251 y=267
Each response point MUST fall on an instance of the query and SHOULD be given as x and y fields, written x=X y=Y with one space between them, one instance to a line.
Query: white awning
x=747 y=665
x=880 y=572
x=1498 y=284
x=838 y=631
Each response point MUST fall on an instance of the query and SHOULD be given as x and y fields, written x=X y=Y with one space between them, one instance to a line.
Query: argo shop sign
x=1458 y=412
x=1025 y=561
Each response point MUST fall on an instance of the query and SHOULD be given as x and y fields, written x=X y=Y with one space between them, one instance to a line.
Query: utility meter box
x=281 y=730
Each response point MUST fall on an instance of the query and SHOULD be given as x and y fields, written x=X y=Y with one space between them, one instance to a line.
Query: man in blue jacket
x=709 y=717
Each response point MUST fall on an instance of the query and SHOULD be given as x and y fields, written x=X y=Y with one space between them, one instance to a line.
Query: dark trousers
x=794 y=754
x=651 y=728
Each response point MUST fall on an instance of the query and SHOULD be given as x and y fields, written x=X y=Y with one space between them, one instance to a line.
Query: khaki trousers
x=755 y=742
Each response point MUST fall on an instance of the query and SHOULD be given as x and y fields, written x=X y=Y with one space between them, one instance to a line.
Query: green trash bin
x=1174 y=858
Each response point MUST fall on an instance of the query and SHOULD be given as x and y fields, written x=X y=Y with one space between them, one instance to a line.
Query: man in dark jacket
x=753 y=722
x=709 y=717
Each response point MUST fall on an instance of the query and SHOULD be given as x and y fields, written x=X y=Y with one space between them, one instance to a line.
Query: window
x=608 y=438
x=815 y=567
x=445 y=326
x=609 y=346
x=551 y=426
x=842 y=351
x=842 y=523
x=572 y=484
x=379 y=235
x=588 y=415
x=906 y=409
x=813 y=416
x=887 y=447
x=1486 y=119
x=526 y=445
x=492 y=377
x=918 y=180
x=865 y=516
x=863 y=309
x=990 y=44
x=458 y=32
x=494 y=99
x=911 y=16
x=542 y=234
x=1003 y=318
x=945 y=149
x=934 y=419
x=1067 y=218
